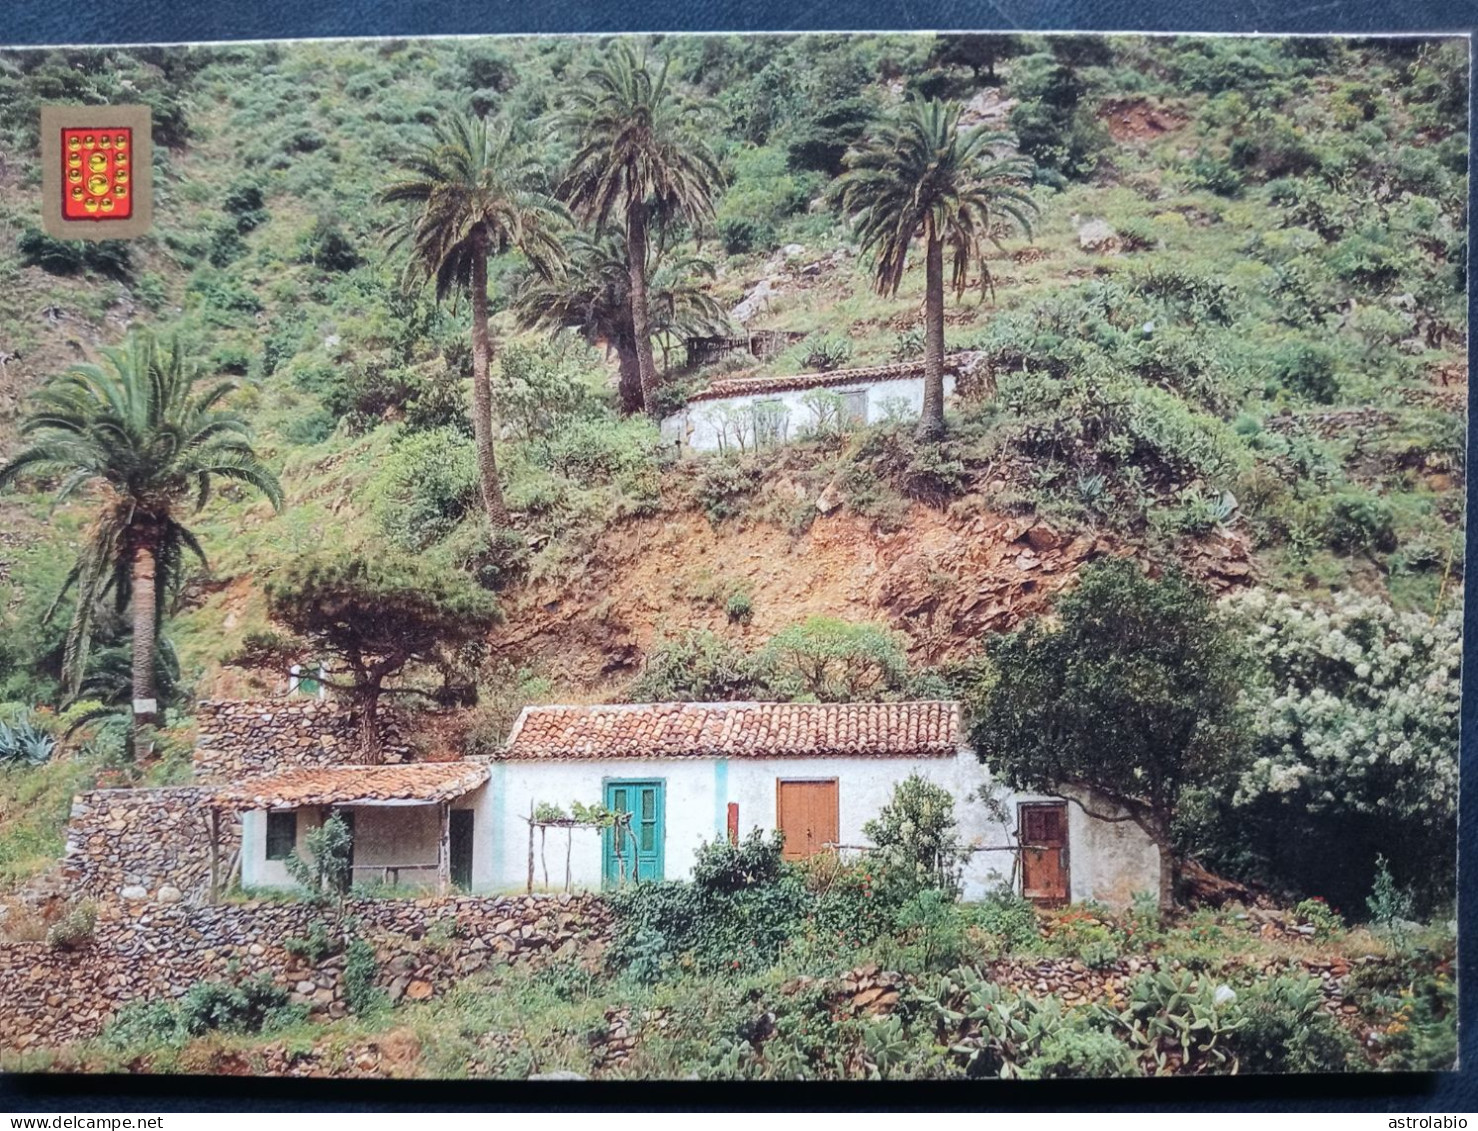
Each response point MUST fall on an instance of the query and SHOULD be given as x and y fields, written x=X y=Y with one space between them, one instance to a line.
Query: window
x=282 y=834
x=854 y=407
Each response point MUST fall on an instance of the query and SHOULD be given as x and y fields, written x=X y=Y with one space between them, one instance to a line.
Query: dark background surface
x=35 y=22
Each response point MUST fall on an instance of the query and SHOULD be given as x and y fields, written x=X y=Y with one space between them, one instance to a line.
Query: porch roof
x=419 y=783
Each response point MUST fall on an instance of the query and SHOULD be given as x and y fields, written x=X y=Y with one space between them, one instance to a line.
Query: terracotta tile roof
x=725 y=387
x=929 y=729
x=424 y=782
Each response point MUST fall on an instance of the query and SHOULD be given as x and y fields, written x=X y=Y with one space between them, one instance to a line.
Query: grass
x=34 y=805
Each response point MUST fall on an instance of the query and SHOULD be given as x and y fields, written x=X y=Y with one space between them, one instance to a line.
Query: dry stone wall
x=239 y=738
x=125 y=846
x=55 y=997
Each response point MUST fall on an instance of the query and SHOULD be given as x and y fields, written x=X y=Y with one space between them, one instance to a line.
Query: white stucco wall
x=1106 y=861
x=698 y=425
x=383 y=834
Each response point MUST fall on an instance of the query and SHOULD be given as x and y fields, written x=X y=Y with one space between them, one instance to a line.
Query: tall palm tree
x=137 y=433
x=478 y=193
x=638 y=158
x=593 y=298
x=920 y=177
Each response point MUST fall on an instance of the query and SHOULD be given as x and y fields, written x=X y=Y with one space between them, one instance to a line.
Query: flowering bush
x=1316 y=913
x=1354 y=723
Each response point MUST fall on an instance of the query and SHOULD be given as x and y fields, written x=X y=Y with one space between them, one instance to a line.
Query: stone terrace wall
x=144 y=844
x=54 y=997
x=238 y=738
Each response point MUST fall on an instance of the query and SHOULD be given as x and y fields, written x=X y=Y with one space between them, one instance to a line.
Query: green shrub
x=249 y=1006
x=917 y=838
x=724 y=484
x=1078 y=1050
x=317 y=945
x=1391 y=907
x=699 y=667
x=739 y=608
x=1318 y=914
x=1011 y=918
x=1308 y=369
x=1284 y=1028
x=1359 y=522
x=73 y=930
x=360 y=969
x=835 y=661
x=719 y=866
x=932 y=928
x=824 y=353
x=67 y=257
x=426 y=486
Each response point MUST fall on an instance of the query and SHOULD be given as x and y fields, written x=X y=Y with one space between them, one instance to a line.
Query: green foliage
x=824 y=353
x=833 y=661
x=23 y=743
x=932 y=929
x=1284 y=1028
x=916 y=838
x=1391 y=907
x=253 y=1005
x=724 y=483
x=1076 y=1050
x=426 y=487
x=360 y=969
x=698 y=667
x=739 y=608
x=1316 y=913
x=724 y=867
x=372 y=618
x=318 y=944
x=1010 y=918
x=1133 y=694
x=67 y=257
x=1054 y=123
x=325 y=871
x=74 y=929
x=1360 y=522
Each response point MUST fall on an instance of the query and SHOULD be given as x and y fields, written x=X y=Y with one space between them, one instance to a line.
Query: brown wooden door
x=1044 y=852
x=807 y=813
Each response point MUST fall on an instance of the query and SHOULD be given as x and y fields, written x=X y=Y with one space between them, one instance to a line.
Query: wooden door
x=806 y=812
x=1044 y=852
x=634 y=851
x=461 y=848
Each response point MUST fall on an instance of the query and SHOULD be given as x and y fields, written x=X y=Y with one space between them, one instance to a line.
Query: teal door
x=634 y=852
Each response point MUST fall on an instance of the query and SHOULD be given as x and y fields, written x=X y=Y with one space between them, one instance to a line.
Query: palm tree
x=594 y=298
x=637 y=157
x=919 y=176
x=138 y=434
x=478 y=193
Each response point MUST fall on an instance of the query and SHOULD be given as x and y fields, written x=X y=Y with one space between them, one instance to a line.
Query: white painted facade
x=719 y=423
x=399 y=835
x=1107 y=861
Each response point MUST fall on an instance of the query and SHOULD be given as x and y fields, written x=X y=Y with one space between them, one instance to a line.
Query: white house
x=687 y=773
x=745 y=413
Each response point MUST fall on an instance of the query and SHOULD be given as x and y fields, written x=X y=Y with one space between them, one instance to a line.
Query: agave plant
x=23 y=743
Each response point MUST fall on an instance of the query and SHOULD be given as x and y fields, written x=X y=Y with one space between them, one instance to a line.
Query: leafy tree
x=699 y=667
x=835 y=661
x=1131 y=696
x=975 y=52
x=138 y=434
x=920 y=177
x=478 y=195
x=372 y=618
x=594 y=299
x=637 y=157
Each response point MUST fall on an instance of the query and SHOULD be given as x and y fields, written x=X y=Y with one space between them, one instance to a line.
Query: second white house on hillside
x=745 y=413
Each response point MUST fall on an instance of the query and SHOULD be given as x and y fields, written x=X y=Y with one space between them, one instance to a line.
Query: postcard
x=783 y=557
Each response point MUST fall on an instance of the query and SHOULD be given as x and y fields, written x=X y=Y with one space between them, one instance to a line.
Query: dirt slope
x=943 y=579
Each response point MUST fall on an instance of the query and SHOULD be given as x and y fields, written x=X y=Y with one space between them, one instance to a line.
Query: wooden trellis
x=599 y=819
